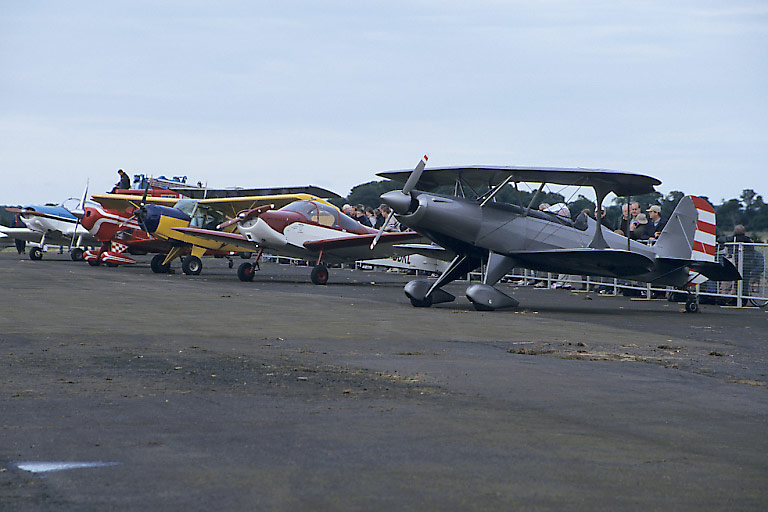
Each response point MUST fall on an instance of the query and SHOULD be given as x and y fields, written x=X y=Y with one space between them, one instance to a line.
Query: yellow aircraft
x=160 y=215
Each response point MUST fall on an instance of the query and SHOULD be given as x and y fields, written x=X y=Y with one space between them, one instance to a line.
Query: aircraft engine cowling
x=453 y=217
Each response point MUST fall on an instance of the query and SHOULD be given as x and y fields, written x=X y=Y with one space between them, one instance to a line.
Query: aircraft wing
x=45 y=215
x=605 y=262
x=479 y=176
x=231 y=206
x=429 y=250
x=122 y=202
x=359 y=246
x=25 y=234
x=235 y=239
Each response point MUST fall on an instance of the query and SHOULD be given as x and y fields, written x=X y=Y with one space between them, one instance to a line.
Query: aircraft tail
x=690 y=232
x=689 y=237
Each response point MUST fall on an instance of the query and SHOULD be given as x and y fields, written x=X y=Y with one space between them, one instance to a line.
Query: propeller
x=80 y=208
x=400 y=200
x=246 y=215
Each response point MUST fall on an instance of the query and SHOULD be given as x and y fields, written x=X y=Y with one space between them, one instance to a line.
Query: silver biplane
x=500 y=236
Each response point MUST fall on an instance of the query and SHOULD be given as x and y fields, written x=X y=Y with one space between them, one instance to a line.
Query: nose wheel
x=245 y=272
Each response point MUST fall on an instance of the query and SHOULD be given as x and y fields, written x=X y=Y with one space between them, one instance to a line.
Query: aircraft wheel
x=95 y=262
x=691 y=306
x=482 y=307
x=192 y=265
x=35 y=254
x=246 y=255
x=319 y=274
x=245 y=272
x=111 y=264
x=76 y=254
x=157 y=264
x=423 y=303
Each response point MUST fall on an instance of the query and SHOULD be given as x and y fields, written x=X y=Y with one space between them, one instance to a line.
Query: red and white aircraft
x=310 y=230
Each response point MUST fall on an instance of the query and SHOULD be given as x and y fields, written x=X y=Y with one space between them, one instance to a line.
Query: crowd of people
x=639 y=226
x=372 y=217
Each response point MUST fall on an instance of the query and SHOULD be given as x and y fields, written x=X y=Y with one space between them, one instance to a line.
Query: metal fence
x=749 y=259
x=751 y=291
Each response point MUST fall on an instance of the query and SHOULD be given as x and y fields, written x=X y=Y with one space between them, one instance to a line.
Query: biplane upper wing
x=122 y=202
x=231 y=206
x=478 y=176
x=234 y=239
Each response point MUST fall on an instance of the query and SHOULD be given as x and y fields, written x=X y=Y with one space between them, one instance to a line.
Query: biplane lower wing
x=604 y=262
x=234 y=239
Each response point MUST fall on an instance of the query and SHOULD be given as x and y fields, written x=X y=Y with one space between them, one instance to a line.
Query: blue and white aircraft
x=52 y=225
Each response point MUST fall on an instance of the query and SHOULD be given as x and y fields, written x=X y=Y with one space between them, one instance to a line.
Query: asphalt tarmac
x=207 y=393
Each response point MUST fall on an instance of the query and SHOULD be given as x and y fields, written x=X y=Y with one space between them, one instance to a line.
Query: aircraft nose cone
x=151 y=219
x=399 y=202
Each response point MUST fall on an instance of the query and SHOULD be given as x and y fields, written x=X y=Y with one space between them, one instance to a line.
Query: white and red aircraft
x=310 y=230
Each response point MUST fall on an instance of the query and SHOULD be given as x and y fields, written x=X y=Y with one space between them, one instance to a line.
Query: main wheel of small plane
x=246 y=255
x=111 y=264
x=157 y=264
x=691 y=306
x=94 y=262
x=426 y=302
x=319 y=274
x=192 y=265
x=245 y=272
x=35 y=254
x=76 y=254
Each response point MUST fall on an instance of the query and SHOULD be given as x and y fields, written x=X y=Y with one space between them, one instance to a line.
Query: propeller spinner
x=401 y=201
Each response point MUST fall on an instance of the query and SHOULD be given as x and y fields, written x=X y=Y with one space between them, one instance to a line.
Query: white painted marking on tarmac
x=47 y=467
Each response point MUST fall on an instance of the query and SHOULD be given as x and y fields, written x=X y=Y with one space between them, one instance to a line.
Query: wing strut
x=598 y=241
x=528 y=209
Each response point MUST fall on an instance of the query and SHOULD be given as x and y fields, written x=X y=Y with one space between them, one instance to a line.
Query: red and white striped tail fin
x=704 y=241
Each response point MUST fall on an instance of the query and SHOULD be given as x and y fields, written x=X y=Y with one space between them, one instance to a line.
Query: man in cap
x=656 y=222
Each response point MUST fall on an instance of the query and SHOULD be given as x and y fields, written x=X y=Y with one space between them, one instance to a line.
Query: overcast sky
x=257 y=94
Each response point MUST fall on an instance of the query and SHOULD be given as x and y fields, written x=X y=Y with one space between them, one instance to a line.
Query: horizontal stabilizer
x=722 y=270
x=586 y=261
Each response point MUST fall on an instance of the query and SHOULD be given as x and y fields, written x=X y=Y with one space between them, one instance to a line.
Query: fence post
x=740 y=265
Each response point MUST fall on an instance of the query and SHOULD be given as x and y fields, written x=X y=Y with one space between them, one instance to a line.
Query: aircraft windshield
x=323 y=214
x=206 y=217
x=187 y=206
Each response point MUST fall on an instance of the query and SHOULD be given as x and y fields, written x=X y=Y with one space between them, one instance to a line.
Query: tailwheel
x=192 y=265
x=245 y=272
x=35 y=254
x=157 y=264
x=76 y=254
x=319 y=274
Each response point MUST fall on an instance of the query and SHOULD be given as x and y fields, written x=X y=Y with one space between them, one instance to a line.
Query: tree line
x=749 y=209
